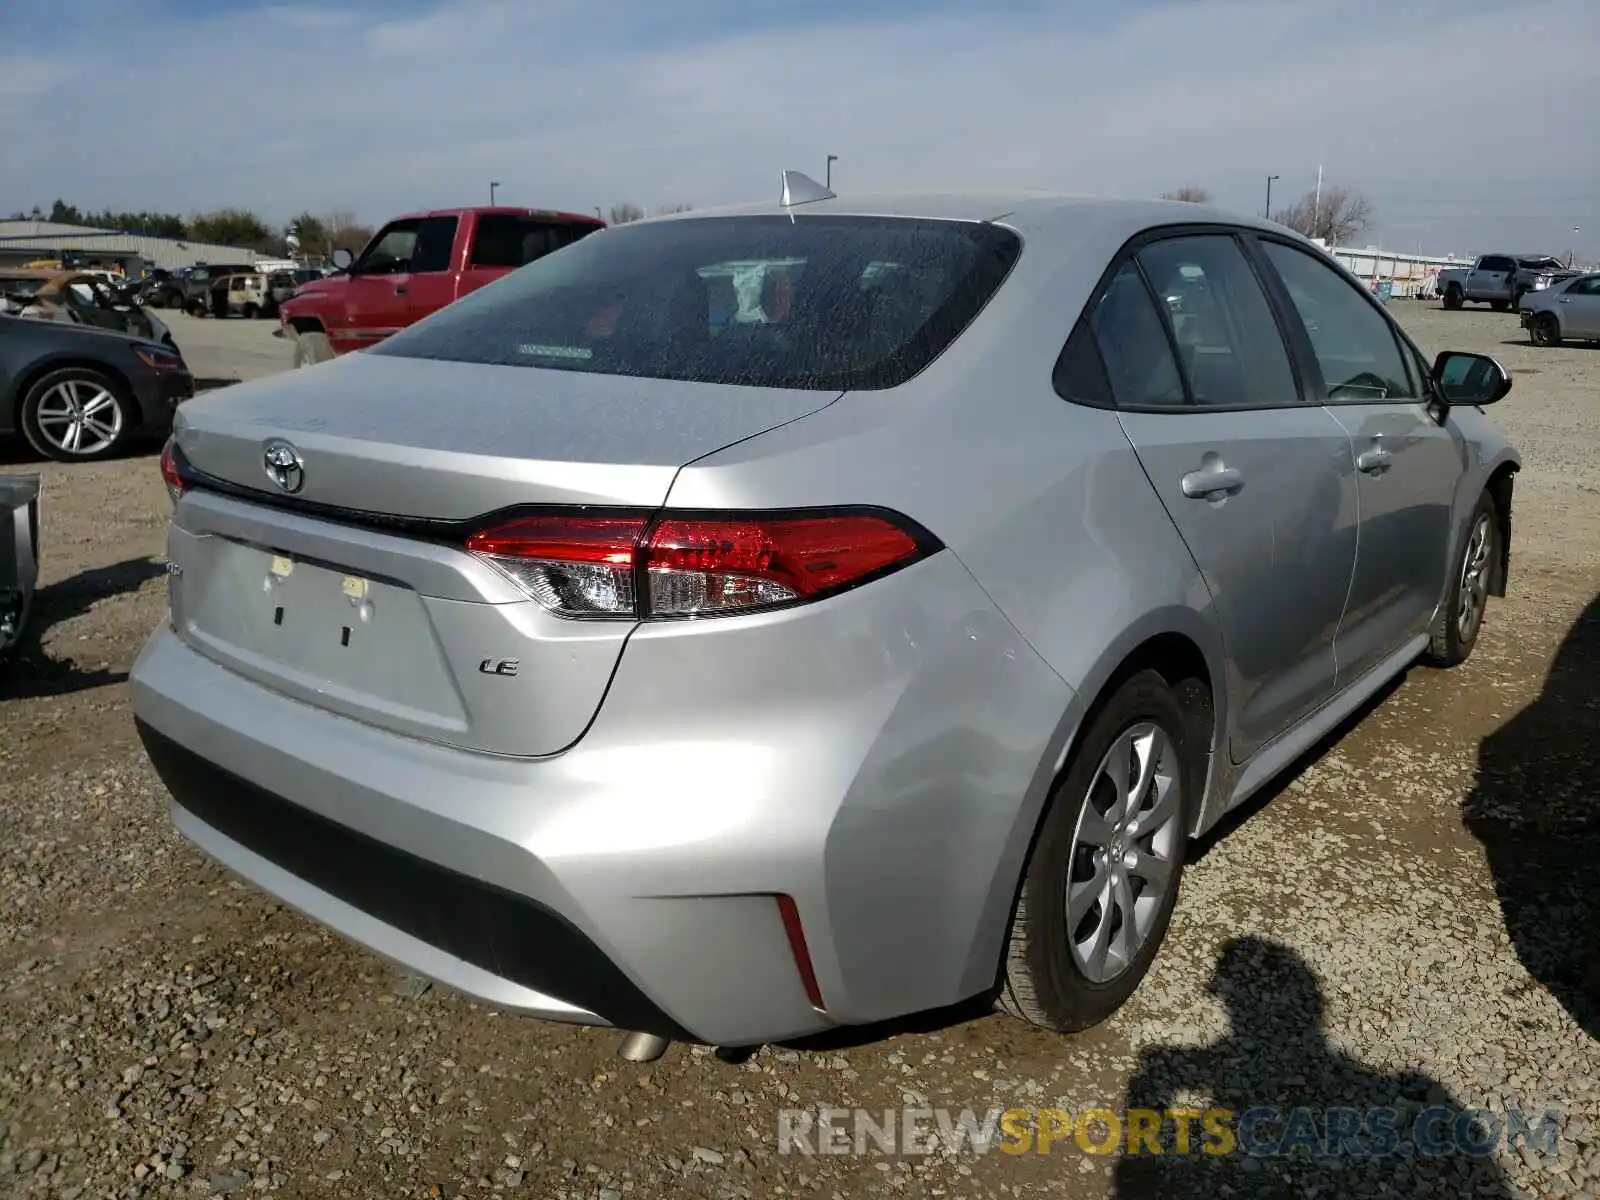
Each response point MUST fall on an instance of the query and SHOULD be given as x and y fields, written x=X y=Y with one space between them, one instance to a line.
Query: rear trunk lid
x=354 y=593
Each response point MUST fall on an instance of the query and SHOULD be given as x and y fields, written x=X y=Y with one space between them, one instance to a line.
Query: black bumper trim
x=496 y=930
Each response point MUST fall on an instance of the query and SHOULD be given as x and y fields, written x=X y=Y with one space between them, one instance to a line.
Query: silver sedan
x=754 y=621
x=1567 y=311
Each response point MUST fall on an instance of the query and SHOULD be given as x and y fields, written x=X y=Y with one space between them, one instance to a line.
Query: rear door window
x=1133 y=346
x=506 y=240
x=1229 y=344
x=822 y=302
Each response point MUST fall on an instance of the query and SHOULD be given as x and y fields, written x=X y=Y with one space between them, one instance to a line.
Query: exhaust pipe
x=643 y=1047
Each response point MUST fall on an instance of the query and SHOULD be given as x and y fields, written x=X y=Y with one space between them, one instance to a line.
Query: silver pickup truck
x=1500 y=280
x=19 y=556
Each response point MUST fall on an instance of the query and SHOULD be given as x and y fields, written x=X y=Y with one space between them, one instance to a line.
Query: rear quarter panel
x=1043 y=501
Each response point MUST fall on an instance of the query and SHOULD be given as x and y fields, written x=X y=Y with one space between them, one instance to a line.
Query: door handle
x=1375 y=461
x=399 y=289
x=1212 y=482
x=1563 y=299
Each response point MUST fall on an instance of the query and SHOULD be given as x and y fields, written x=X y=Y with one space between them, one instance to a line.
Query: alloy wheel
x=1123 y=851
x=1474 y=590
x=80 y=417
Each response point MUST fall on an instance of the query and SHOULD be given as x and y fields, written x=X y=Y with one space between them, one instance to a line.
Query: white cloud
x=1466 y=122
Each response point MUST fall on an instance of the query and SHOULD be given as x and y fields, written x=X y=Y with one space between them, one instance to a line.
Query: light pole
x=828 y=175
x=1270 y=178
x=598 y=213
x=493 y=183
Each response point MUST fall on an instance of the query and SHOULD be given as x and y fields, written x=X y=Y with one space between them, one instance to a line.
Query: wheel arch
x=1179 y=645
x=1502 y=481
x=306 y=324
x=1182 y=647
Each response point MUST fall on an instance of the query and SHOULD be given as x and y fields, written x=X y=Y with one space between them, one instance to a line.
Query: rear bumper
x=504 y=947
x=881 y=758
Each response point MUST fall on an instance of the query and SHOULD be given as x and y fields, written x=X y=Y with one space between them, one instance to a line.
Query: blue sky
x=1469 y=123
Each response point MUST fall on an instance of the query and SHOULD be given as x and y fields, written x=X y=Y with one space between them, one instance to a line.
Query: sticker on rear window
x=534 y=351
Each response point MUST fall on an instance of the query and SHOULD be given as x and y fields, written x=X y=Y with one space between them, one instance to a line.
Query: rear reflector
x=802 y=953
x=693 y=566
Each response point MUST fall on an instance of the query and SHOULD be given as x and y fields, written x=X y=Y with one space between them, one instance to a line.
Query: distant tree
x=345 y=232
x=1337 y=216
x=665 y=209
x=1189 y=193
x=627 y=211
x=231 y=227
x=150 y=224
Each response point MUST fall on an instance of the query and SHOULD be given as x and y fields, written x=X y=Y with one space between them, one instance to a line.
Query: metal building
x=26 y=241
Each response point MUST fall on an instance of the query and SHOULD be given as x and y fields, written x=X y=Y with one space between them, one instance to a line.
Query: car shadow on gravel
x=32 y=673
x=1536 y=809
x=1303 y=1119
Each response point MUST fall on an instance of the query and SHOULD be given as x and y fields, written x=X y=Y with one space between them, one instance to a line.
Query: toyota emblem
x=285 y=466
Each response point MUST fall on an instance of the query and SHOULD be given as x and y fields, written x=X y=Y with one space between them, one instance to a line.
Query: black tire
x=1453 y=297
x=312 y=347
x=155 y=300
x=15 y=609
x=1500 y=305
x=1449 y=645
x=1544 y=330
x=1042 y=982
x=126 y=419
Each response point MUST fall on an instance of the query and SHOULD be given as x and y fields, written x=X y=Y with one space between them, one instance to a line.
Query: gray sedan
x=761 y=620
x=1568 y=311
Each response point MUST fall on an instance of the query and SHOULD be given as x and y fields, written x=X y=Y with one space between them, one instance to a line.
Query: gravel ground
x=1408 y=921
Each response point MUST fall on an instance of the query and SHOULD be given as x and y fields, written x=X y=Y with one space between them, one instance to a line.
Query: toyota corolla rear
x=449 y=671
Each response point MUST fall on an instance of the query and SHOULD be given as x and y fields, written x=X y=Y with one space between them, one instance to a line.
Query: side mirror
x=1470 y=379
x=342 y=259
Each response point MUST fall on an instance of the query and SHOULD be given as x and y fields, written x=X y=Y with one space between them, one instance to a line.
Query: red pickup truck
x=415 y=265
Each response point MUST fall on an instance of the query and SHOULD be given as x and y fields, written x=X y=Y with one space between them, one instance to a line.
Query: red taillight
x=584 y=566
x=172 y=469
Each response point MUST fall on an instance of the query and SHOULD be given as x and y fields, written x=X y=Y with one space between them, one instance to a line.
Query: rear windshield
x=822 y=302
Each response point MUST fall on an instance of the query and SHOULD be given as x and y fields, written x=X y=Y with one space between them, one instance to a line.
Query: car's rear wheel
x=312 y=347
x=1545 y=330
x=1103 y=876
x=1452 y=297
x=1460 y=620
x=1499 y=305
x=77 y=414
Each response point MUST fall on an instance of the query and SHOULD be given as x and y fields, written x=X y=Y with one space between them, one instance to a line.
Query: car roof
x=1029 y=212
x=505 y=210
